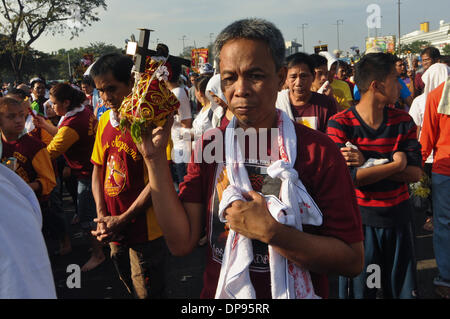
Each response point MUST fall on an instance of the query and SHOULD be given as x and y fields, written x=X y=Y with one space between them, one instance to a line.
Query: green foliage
x=54 y=66
x=187 y=54
x=414 y=47
x=24 y=21
x=74 y=56
x=446 y=49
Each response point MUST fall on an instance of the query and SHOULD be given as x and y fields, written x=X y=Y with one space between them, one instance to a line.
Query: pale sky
x=197 y=19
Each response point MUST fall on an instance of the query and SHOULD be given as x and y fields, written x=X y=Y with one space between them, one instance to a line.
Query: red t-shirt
x=322 y=170
x=124 y=177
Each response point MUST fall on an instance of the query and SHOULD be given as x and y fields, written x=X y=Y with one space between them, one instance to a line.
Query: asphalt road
x=184 y=275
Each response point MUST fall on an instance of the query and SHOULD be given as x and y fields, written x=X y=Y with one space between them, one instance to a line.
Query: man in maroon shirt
x=251 y=54
x=298 y=101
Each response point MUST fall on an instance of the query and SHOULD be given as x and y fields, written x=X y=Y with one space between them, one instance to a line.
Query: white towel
x=371 y=161
x=296 y=208
x=444 y=103
x=284 y=103
x=330 y=59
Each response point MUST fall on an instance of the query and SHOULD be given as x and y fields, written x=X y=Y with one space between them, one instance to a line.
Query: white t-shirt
x=181 y=136
x=25 y=270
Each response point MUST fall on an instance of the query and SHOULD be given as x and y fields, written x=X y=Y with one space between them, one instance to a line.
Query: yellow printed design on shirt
x=309 y=121
x=115 y=178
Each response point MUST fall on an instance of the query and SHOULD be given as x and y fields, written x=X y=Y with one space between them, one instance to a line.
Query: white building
x=292 y=47
x=438 y=38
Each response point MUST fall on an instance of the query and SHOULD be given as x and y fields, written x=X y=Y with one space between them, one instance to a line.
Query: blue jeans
x=441 y=223
x=87 y=210
x=179 y=170
x=392 y=249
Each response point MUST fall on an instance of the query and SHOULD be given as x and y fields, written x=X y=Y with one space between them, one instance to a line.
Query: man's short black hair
x=118 y=65
x=300 y=58
x=445 y=59
x=36 y=80
x=201 y=82
x=18 y=92
x=432 y=52
x=87 y=80
x=318 y=60
x=373 y=67
x=396 y=59
x=162 y=50
x=175 y=73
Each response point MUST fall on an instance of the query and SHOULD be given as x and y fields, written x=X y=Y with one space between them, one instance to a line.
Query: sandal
x=428 y=226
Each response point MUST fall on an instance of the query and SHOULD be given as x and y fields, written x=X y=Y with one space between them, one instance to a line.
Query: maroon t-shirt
x=24 y=150
x=125 y=177
x=78 y=156
x=316 y=112
x=418 y=84
x=322 y=170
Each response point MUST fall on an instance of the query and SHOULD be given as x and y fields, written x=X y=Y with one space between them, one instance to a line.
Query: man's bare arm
x=320 y=254
x=410 y=174
x=181 y=223
x=371 y=175
x=97 y=191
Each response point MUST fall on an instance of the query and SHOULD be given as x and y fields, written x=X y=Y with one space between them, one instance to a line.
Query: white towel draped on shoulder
x=444 y=103
x=296 y=207
x=284 y=103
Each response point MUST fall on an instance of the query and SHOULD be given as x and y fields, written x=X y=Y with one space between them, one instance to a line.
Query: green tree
x=415 y=47
x=187 y=52
x=100 y=48
x=446 y=49
x=72 y=58
x=24 y=21
x=34 y=63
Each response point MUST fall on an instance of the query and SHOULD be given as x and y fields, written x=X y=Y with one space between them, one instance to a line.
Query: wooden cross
x=141 y=52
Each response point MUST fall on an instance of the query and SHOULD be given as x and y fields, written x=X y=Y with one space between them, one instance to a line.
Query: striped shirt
x=384 y=203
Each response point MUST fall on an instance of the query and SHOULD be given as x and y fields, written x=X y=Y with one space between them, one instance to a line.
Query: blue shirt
x=101 y=109
x=404 y=93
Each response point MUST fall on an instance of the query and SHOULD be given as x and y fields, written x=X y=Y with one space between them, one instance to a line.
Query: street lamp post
x=338 y=22
x=303 y=35
x=182 y=39
x=399 y=45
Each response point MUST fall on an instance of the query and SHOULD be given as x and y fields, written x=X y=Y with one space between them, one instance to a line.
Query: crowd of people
x=352 y=142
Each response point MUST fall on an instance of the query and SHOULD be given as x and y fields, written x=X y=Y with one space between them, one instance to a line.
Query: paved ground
x=184 y=277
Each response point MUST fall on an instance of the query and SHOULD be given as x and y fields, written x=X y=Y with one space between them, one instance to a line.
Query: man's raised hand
x=155 y=140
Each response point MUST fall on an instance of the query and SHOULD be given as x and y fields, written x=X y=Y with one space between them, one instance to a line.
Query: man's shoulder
x=312 y=138
x=104 y=120
x=321 y=100
x=344 y=117
x=397 y=115
x=179 y=91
